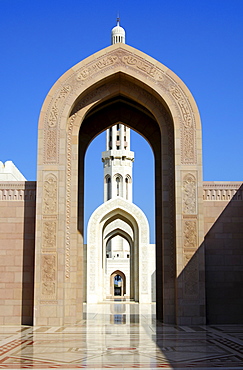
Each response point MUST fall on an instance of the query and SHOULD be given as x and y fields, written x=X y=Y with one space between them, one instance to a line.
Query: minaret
x=117 y=33
x=118 y=158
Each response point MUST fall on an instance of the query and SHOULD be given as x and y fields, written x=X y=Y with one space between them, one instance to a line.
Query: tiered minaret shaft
x=118 y=158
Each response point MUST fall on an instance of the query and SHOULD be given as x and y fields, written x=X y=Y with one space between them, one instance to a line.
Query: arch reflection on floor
x=123 y=335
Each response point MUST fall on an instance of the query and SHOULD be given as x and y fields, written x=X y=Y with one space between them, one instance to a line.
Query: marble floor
x=123 y=336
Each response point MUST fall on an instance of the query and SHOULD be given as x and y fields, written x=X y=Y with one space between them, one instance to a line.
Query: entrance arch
x=122 y=286
x=114 y=212
x=122 y=84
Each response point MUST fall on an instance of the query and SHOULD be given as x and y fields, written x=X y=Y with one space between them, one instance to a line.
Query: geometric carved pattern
x=223 y=191
x=25 y=191
x=50 y=195
x=68 y=195
x=189 y=195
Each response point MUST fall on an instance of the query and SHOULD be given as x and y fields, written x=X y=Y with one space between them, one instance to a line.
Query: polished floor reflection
x=121 y=335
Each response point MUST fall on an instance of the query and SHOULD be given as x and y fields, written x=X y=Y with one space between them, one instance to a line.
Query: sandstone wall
x=223 y=215
x=17 y=240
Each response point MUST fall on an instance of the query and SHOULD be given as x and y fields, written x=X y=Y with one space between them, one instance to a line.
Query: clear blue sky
x=201 y=41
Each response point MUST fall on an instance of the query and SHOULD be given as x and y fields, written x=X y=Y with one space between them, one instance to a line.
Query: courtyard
x=122 y=335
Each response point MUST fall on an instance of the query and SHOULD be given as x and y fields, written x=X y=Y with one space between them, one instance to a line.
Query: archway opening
x=136 y=116
x=118 y=284
x=117 y=256
x=119 y=85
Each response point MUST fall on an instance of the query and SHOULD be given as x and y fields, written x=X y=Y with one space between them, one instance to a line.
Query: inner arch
x=157 y=129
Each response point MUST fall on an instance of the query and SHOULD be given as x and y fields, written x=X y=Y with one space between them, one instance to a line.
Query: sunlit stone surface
x=121 y=335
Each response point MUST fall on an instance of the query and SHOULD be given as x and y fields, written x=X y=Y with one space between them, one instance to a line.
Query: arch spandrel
x=137 y=65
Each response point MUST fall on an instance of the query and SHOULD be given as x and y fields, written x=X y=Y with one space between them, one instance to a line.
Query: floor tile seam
x=186 y=329
x=60 y=362
x=229 y=349
x=227 y=336
x=208 y=358
x=11 y=339
x=12 y=350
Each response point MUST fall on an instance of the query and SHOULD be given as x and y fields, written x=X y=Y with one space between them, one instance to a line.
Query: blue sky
x=201 y=41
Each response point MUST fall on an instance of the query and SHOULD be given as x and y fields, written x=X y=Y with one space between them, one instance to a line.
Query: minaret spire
x=118 y=158
x=118 y=33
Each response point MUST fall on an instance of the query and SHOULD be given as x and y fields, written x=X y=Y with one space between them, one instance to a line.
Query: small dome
x=117 y=34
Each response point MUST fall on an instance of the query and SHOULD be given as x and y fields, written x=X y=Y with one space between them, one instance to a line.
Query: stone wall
x=223 y=215
x=223 y=221
x=17 y=240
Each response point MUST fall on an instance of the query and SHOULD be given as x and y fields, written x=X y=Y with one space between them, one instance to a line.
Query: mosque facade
x=194 y=272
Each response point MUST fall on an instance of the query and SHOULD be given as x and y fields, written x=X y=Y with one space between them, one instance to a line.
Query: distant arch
x=123 y=286
x=114 y=212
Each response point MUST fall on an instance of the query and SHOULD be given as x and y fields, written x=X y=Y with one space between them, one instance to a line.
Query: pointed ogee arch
x=148 y=97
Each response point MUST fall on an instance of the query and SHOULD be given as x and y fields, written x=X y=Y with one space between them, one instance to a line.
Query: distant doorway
x=118 y=284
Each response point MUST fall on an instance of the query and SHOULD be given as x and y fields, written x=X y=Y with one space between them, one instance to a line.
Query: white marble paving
x=122 y=336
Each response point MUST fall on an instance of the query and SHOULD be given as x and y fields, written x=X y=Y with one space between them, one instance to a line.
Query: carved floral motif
x=50 y=194
x=58 y=102
x=51 y=145
x=51 y=130
x=187 y=128
x=190 y=234
x=48 y=288
x=49 y=234
x=48 y=270
x=189 y=195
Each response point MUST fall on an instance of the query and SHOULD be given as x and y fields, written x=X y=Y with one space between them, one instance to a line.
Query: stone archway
x=123 y=284
x=151 y=99
x=113 y=212
x=121 y=229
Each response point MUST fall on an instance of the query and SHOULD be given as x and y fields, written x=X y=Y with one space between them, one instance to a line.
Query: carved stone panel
x=51 y=145
x=191 y=271
x=50 y=195
x=189 y=194
x=48 y=272
x=188 y=135
x=49 y=234
x=190 y=234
